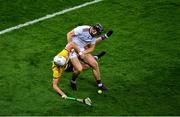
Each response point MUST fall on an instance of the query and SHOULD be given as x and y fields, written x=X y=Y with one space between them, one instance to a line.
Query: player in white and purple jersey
x=83 y=36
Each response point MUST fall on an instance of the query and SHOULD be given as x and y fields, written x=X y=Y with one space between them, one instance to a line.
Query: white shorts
x=74 y=54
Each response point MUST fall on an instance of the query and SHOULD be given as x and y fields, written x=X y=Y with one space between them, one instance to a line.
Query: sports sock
x=73 y=79
x=99 y=83
x=96 y=57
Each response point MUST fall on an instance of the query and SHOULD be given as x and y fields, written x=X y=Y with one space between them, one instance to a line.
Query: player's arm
x=57 y=89
x=103 y=37
x=98 y=40
x=87 y=51
x=90 y=49
x=70 y=36
x=72 y=45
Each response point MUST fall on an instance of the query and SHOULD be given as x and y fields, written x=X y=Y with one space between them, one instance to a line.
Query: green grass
x=14 y=12
x=141 y=68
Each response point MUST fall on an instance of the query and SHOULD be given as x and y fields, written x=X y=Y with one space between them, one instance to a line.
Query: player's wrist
x=103 y=37
x=64 y=96
x=107 y=35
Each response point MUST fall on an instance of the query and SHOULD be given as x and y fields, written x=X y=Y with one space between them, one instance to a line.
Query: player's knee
x=79 y=69
x=54 y=85
x=94 y=65
x=85 y=66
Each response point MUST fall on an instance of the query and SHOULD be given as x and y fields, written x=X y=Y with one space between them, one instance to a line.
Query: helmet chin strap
x=92 y=35
x=91 y=32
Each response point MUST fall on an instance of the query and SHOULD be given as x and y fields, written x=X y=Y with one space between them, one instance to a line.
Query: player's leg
x=84 y=65
x=89 y=59
x=76 y=71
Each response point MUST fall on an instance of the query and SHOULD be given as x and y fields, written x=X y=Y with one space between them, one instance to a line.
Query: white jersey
x=82 y=36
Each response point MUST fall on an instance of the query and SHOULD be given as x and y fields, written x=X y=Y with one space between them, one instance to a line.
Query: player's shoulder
x=84 y=27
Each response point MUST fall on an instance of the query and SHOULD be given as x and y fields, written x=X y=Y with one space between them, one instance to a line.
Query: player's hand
x=107 y=35
x=64 y=96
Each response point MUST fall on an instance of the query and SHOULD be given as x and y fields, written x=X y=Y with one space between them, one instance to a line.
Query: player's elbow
x=54 y=86
x=69 y=37
x=70 y=34
x=91 y=50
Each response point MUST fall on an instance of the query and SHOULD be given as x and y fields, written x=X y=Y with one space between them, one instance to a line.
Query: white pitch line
x=48 y=16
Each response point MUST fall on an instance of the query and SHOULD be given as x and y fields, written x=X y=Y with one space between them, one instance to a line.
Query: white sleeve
x=93 y=41
x=78 y=30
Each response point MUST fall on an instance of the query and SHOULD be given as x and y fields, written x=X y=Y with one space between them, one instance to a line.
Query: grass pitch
x=141 y=68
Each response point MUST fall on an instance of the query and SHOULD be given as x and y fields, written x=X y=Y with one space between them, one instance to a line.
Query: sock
x=96 y=57
x=99 y=83
x=74 y=82
x=74 y=77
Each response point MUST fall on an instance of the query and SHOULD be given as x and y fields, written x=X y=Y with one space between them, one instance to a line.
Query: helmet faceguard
x=98 y=28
